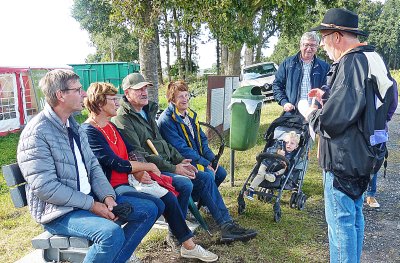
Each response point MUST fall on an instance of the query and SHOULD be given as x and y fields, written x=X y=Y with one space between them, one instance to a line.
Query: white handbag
x=153 y=189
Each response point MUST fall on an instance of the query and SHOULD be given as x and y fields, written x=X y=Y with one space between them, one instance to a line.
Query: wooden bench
x=54 y=247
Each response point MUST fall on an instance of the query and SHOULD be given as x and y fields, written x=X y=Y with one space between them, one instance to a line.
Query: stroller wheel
x=292 y=201
x=277 y=212
x=301 y=202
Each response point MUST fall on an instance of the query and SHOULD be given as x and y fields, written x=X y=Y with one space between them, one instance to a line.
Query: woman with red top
x=113 y=154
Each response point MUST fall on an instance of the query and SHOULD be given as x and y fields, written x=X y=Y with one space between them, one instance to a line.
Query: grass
x=298 y=237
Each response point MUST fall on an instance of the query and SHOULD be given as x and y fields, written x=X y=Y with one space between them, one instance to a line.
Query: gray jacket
x=47 y=164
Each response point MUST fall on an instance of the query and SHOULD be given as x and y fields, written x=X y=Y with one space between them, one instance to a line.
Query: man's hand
x=288 y=107
x=143 y=177
x=103 y=210
x=212 y=169
x=110 y=202
x=317 y=94
x=186 y=169
x=153 y=168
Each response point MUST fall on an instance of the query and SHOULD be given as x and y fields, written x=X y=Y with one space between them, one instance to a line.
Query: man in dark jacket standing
x=357 y=78
x=300 y=73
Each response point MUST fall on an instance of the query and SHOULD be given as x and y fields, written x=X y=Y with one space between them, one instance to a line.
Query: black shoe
x=233 y=232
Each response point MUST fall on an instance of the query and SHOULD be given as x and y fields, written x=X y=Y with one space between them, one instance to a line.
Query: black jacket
x=344 y=150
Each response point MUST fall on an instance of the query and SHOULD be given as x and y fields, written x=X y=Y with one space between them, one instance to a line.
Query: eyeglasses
x=312 y=46
x=79 y=90
x=323 y=36
x=184 y=96
x=115 y=100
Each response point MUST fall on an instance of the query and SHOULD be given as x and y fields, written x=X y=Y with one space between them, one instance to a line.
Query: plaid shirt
x=305 y=82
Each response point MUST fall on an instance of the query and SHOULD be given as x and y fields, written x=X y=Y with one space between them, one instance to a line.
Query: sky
x=42 y=33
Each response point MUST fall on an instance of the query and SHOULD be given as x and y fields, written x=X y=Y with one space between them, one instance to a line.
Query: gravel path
x=382 y=225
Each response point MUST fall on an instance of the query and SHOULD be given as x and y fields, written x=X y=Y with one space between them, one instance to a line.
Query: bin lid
x=248 y=92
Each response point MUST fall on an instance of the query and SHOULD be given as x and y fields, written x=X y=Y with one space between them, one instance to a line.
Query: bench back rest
x=16 y=182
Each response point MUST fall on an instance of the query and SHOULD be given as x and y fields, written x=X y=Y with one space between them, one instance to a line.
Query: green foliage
x=113 y=41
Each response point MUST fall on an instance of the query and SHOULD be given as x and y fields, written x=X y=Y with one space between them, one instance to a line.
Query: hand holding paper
x=304 y=108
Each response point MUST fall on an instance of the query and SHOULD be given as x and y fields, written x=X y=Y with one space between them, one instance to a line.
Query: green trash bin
x=245 y=117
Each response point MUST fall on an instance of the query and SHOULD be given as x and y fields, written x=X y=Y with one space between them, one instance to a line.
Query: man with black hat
x=343 y=123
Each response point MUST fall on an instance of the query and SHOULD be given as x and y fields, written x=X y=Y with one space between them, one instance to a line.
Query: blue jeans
x=371 y=190
x=184 y=187
x=220 y=175
x=172 y=213
x=111 y=243
x=345 y=220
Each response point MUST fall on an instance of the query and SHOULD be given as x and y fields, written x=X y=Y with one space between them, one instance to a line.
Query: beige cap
x=134 y=81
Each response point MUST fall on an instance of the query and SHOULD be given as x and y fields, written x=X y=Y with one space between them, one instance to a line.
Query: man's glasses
x=323 y=36
x=79 y=90
x=312 y=46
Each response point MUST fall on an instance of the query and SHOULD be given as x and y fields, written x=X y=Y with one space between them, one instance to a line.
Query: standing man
x=136 y=120
x=358 y=80
x=67 y=190
x=300 y=73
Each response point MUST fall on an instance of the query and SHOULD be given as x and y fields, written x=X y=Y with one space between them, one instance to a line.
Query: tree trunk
x=186 y=55
x=224 y=60
x=218 y=57
x=148 y=64
x=260 y=36
x=234 y=62
x=248 y=55
x=178 y=44
x=159 y=67
x=167 y=34
x=111 y=51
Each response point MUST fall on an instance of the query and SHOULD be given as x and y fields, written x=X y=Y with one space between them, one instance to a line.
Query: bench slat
x=18 y=196
x=42 y=241
x=58 y=241
x=79 y=242
x=12 y=174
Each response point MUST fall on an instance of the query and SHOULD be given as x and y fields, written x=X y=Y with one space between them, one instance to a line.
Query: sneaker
x=371 y=201
x=270 y=178
x=199 y=253
x=134 y=259
x=232 y=232
x=249 y=193
x=172 y=242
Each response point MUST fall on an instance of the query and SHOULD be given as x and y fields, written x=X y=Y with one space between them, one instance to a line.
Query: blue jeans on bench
x=206 y=190
x=172 y=213
x=111 y=243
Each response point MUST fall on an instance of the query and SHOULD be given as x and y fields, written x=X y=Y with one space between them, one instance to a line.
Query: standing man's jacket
x=136 y=131
x=177 y=133
x=47 y=164
x=342 y=123
x=287 y=83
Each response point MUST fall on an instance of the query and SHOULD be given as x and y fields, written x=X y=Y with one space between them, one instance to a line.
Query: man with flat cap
x=344 y=127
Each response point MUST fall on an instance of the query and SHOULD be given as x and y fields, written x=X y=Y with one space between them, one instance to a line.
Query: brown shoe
x=371 y=201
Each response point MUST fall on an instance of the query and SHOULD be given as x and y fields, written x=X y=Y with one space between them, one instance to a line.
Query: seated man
x=136 y=121
x=67 y=190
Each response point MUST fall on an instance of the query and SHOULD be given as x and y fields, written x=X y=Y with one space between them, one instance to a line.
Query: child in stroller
x=271 y=169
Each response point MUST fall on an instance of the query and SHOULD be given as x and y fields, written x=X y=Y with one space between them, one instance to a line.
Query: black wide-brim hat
x=340 y=19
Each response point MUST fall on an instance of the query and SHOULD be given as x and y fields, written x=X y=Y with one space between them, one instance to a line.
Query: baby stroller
x=292 y=179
